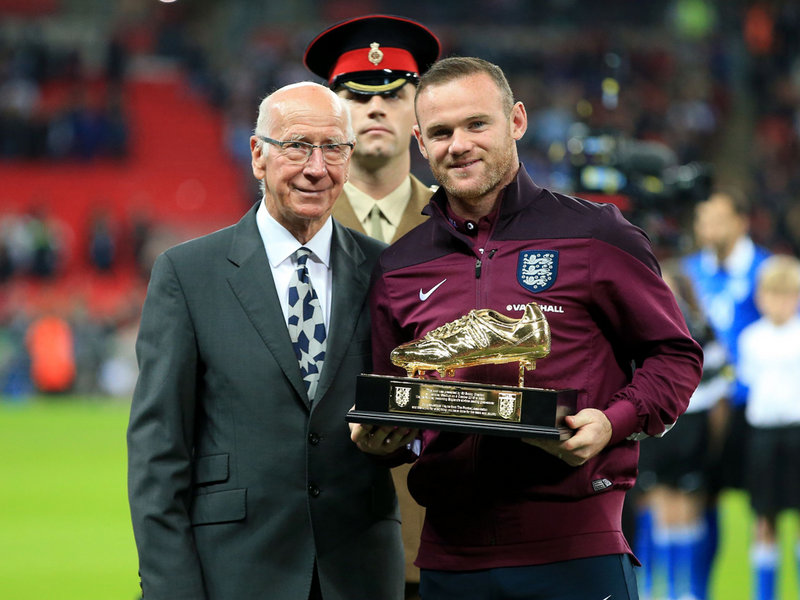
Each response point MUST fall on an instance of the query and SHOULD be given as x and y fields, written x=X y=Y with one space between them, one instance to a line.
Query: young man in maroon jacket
x=509 y=518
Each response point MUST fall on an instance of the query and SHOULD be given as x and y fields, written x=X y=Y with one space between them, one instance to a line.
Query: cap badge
x=375 y=55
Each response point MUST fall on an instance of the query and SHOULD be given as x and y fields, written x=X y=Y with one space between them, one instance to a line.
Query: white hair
x=264 y=123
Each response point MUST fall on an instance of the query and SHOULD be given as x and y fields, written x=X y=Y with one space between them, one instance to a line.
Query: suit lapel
x=350 y=284
x=344 y=213
x=254 y=287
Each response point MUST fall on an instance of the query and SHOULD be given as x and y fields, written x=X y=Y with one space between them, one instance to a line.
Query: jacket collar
x=515 y=197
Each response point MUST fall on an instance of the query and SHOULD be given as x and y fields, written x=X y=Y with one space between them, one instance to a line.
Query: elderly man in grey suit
x=243 y=481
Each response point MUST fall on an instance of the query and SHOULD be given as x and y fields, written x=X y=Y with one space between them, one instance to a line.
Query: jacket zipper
x=480 y=286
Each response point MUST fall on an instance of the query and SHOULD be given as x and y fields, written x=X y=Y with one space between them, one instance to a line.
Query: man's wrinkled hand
x=381 y=439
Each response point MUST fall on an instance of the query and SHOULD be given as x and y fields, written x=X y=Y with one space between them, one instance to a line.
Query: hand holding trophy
x=481 y=337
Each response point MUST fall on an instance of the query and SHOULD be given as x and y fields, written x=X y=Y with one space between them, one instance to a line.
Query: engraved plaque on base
x=462 y=406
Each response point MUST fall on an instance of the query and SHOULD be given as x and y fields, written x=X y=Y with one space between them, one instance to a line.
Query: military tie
x=375 y=224
x=306 y=324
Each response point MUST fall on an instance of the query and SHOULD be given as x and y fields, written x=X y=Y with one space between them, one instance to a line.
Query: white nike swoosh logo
x=425 y=295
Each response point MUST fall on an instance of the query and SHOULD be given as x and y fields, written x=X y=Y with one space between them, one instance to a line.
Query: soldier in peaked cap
x=375 y=62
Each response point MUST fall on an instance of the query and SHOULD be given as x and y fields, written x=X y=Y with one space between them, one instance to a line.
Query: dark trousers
x=608 y=577
x=316 y=592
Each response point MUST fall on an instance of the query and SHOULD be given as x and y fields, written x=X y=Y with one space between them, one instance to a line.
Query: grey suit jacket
x=412 y=215
x=236 y=484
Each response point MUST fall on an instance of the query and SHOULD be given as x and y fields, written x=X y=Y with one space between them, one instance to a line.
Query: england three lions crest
x=537 y=269
x=401 y=396
x=507 y=404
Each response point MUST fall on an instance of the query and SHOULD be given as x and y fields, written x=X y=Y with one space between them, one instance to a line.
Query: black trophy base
x=462 y=407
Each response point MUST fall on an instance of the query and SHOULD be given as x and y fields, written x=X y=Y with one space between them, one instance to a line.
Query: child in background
x=769 y=352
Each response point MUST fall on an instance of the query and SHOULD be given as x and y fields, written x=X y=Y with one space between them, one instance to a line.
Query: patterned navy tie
x=306 y=324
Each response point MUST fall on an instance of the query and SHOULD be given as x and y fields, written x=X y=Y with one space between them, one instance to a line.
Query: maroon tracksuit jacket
x=618 y=337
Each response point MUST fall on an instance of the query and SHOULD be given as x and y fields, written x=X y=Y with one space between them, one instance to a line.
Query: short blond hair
x=780 y=273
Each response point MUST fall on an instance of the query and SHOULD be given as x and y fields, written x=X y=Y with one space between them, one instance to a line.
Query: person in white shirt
x=769 y=363
x=242 y=478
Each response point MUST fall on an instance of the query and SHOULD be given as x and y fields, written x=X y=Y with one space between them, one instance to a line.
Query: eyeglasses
x=298 y=153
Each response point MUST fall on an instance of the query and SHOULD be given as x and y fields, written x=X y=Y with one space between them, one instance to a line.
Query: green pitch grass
x=65 y=532
x=731 y=578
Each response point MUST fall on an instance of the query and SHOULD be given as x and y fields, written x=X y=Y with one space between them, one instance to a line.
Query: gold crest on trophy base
x=481 y=337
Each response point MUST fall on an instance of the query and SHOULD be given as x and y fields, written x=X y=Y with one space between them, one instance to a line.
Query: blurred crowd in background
x=642 y=104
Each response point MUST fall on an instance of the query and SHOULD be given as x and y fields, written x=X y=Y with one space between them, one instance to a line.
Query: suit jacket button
x=313 y=438
x=313 y=490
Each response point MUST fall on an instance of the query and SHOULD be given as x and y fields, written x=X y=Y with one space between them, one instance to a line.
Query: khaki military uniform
x=413 y=514
x=412 y=216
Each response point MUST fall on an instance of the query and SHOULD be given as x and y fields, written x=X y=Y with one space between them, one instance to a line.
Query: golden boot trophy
x=481 y=337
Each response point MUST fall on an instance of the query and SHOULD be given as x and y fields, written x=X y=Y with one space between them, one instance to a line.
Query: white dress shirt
x=280 y=245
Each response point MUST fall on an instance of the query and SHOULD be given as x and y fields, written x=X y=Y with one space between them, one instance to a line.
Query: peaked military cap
x=373 y=54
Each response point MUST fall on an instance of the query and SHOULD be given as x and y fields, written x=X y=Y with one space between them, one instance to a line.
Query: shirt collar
x=738 y=262
x=392 y=205
x=484 y=223
x=280 y=244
